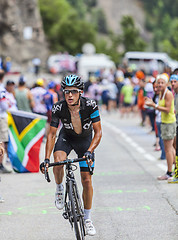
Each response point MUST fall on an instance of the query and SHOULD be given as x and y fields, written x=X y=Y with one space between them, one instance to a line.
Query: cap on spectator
x=93 y=79
x=22 y=80
x=140 y=75
x=10 y=82
x=40 y=82
x=174 y=77
x=51 y=85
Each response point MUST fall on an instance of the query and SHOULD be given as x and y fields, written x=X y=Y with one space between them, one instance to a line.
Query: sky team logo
x=91 y=103
x=56 y=108
x=68 y=126
x=87 y=125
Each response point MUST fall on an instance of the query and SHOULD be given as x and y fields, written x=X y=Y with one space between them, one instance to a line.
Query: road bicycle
x=73 y=207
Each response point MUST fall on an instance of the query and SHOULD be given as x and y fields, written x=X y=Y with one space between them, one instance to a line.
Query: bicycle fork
x=67 y=214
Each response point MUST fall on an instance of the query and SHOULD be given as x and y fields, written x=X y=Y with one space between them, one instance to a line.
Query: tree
x=73 y=33
x=53 y=12
x=91 y=3
x=160 y=17
x=63 y=26
x=170 y=45
x=98 y=18
x=79 y=6
x=130 y=37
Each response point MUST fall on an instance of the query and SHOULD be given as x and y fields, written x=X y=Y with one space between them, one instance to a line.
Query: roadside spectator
x=104 y=94
x=8 y=64
x=1 y=158
x=113 y=91
x=36 y=63
x=94 y=90
x=135 y=83
x=38 y=95
x=1 y=63
x=10 y=88
x=51 y=87
x=174 y=83
x=119 y=84
x=3 y=120
x=158 y=122
x=141 y=100
x=168 y=121
x=48 y=100
x=86 y=85
x=150 y=112
x=119 y=75
x=23 y=96
x=59 y=91
x=126 y=96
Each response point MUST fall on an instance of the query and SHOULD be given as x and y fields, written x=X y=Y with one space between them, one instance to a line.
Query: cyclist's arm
x=97 y=136
x=50 y=142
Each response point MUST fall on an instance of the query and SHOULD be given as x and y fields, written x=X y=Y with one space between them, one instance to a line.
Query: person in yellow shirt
x=168 y=121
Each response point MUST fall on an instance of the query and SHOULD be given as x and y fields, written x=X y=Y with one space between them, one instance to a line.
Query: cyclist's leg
x=61 y=150
x=87 y=200
x=80 y=148
x=87 y=195
x=59 y=174
x=59 y=170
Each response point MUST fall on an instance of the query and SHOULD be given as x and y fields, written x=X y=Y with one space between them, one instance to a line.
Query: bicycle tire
x=79 y=210
x=72 y=197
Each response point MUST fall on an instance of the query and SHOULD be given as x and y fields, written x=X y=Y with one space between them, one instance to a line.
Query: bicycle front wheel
x=76 y=212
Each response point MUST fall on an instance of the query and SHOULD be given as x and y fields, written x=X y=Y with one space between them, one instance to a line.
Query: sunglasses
x=73 y=91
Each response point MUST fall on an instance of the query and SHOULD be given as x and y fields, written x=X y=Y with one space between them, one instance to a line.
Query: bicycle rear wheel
x=77 y=212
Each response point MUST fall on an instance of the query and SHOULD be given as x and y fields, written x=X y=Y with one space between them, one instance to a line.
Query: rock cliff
x=115 y=9
x=21 y=31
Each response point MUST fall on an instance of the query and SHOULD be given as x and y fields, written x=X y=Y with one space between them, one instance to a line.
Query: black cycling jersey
x=89 y=114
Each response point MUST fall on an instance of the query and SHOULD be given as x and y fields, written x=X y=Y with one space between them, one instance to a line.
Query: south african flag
x=26 y=132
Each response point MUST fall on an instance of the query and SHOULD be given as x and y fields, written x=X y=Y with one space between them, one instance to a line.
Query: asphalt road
x=129 y=203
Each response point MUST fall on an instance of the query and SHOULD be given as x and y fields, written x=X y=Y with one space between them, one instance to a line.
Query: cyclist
x=79 y=116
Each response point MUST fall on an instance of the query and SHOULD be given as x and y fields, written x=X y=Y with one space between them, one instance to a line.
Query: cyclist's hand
x=89 y=156
x=43 y=165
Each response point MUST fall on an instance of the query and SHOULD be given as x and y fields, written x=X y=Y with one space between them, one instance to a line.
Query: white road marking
x=130 y=141
x=149 y=157
x=140 y=150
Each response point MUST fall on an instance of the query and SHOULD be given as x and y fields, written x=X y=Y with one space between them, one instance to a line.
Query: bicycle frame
x=74 y=211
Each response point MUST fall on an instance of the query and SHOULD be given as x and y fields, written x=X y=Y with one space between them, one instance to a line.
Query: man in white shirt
x=38 y=95
x=10 y=85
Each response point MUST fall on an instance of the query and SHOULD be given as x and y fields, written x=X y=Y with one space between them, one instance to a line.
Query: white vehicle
x=149 y=61
x=61 y=62
x=89 y=64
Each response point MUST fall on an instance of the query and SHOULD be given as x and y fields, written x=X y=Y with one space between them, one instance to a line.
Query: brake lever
x=46 y=174
x=89 y=166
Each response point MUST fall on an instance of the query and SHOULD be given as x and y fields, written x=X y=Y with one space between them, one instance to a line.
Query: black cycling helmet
x=72 y=81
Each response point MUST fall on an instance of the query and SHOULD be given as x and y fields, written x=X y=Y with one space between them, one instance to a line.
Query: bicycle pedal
x=65 y=215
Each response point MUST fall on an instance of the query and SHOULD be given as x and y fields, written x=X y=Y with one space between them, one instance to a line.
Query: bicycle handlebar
x=74 y=160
